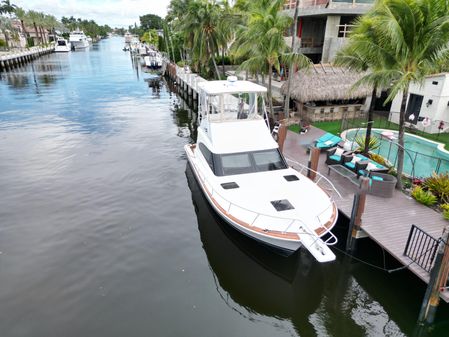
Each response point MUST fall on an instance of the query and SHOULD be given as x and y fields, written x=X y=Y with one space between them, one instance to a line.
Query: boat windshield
x=226 y=106
x=61 y=43
x=248 y=162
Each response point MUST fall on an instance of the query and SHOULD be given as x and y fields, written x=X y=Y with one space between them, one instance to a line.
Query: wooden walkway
x=387 y=221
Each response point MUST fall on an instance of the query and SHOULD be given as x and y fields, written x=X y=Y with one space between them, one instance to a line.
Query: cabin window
x=236 y=163
x=207 y=155
x=435 y=82
x=268 y=160
x=248 y=162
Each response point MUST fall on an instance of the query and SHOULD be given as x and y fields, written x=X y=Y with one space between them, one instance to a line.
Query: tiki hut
x=324 y=92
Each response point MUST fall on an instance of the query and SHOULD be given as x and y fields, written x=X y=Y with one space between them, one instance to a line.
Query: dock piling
x=438 y=278
x=358 y=207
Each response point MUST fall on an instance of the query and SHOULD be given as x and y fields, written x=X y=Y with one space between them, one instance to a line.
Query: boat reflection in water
x=252 y=278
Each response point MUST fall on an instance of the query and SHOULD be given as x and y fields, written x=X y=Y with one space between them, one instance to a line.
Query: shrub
x=372 y=145
x=181 y=63
x=438 y=184
x=2 y=43
x=445 y=207
x=379 y=159
x=446 y=214
x=424 y=197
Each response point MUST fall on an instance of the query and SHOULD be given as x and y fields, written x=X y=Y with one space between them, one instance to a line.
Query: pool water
x=422 y=157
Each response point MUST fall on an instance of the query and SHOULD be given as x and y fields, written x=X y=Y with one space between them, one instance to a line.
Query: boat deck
x=387 y=221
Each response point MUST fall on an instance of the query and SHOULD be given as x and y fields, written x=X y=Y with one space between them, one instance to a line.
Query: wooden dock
x=185 y=79
x=17 y=58
x=387 y=221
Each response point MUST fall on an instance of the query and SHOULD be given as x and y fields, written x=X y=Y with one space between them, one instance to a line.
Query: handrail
x=303 y=167
x=307 y=230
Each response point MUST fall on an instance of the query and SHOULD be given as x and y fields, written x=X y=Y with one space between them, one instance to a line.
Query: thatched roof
x=323 y=82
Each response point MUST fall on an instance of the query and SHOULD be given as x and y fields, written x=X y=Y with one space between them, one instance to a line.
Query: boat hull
x=62 y=49
x=286 y=246
x=80 y=44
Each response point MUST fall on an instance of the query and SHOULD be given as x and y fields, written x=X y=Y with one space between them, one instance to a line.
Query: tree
x=291 y=71
x=33 y=18
x=7 y=7
x=150 y=21
x=151 y=37
x=409 y=39
x=200 y=23
x=263 y=41
x=6 y=28
x=22 y=15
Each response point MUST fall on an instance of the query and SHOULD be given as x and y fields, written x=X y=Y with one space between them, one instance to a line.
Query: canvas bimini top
x=230 y=87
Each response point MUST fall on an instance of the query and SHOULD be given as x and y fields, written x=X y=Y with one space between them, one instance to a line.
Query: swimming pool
x=427 y=156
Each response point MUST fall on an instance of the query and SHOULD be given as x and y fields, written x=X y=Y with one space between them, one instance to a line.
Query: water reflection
x=185 y=117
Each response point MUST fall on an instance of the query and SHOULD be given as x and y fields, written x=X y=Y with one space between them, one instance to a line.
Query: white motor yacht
x=246 y=179
x=78 y=39
x=62 y=45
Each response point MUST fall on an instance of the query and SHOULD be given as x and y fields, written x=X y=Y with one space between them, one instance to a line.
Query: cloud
x=115 y=13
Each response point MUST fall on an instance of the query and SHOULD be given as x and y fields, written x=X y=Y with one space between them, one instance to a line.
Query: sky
x=115 y=13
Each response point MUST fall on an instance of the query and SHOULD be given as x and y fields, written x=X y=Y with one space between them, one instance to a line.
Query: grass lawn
x=335 y=127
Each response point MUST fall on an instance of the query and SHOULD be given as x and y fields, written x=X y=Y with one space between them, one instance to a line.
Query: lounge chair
x=353 y=162
x=334 y=156
x=372 y=166
x=327 y=141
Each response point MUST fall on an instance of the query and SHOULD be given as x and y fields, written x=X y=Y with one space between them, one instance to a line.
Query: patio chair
x=382 y=185
x=327 y=141
x=351 y=162
x=334 y=155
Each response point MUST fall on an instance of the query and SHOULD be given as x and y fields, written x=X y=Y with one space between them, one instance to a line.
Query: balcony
x=328 y=7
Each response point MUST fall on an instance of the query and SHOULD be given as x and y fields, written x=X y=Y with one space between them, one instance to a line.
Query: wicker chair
x=334 y=156
x=382 y=185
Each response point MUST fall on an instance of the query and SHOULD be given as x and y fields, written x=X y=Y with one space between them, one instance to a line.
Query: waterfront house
x=323 y=25
x=427 y=105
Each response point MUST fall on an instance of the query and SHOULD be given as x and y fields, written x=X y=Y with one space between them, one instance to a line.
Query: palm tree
x=201 y=26
x=33 y=18
x=6 y=28
x=22 y=15
x=7 y=7
x=409 y=39
x=263 y=41
x=291 y=72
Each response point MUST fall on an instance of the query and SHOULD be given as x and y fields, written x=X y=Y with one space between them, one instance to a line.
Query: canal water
x=104 y=231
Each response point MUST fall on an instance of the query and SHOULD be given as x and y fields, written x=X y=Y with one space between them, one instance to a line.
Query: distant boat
x=78 y=39
x=128 y=37
x=62 y=45
x=153 y=60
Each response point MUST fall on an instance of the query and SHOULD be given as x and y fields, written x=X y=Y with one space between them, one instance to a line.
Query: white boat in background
x=78 y=39
x=247 y=180
x=62 y=45
x=89 y=40
x=142 y=50
x=128 y=37
x=153 y=60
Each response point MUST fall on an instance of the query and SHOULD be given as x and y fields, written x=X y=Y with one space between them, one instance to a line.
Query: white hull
x=62 y=49
x=80 y=44
x=283 y=244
